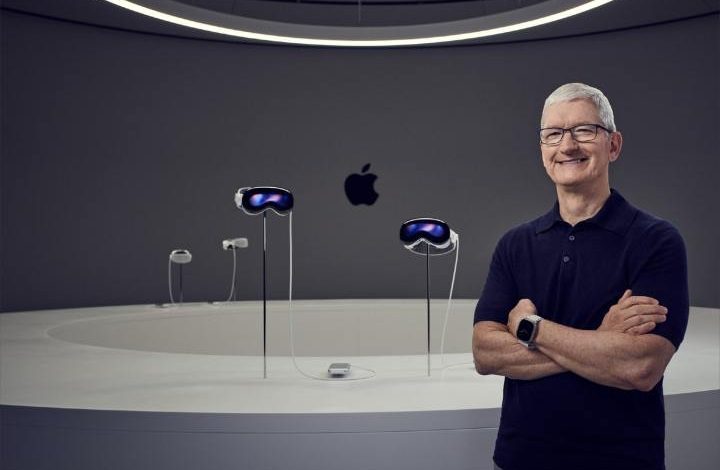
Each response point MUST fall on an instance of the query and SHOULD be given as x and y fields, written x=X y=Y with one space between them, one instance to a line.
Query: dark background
x=118 y=147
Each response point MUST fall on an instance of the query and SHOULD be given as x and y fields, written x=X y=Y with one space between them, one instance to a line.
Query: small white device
x=235 y=243
x=339 y=369
x=232 y=244
x=180 y=256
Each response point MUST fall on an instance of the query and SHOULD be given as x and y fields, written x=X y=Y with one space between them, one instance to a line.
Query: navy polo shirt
x=574 y=275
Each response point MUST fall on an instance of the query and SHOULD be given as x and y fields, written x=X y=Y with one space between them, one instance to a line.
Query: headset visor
x=261 y=198
x=433 y=232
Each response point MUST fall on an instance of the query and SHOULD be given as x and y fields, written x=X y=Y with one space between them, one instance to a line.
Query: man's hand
x=523 y=309
x=635 y=315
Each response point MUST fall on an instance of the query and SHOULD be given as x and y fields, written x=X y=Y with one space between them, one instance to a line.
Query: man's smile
x=572 y=161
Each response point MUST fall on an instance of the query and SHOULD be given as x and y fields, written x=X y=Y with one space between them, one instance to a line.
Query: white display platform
x=147 y=387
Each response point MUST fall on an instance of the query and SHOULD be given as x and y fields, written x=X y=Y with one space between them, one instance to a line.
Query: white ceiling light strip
x=341 y=42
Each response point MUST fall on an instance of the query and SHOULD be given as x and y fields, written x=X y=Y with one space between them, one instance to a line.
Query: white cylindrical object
x=180 y=256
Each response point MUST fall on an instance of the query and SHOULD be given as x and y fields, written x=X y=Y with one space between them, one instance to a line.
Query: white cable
x=292 y=336
x=449 y=304
x=172 y=301
x=232 y=285
x=447 y=315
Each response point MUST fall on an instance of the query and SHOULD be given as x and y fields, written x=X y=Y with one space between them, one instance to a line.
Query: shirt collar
x=615 y=215
x=546 y=222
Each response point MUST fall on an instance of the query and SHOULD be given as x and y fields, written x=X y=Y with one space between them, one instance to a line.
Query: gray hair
x=580 y=91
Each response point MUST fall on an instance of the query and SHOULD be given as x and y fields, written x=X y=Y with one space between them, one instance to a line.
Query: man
x=582 y=309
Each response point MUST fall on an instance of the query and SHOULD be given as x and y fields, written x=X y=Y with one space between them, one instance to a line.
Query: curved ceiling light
x=353 y=36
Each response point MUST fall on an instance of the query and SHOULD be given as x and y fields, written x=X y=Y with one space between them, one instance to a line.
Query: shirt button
x=566 y=259
x=571 y=237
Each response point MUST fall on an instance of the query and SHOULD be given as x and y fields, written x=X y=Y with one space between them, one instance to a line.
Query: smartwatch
x=527 y=330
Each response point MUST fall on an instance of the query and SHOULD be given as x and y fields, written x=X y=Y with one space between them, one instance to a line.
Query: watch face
x=525 y=330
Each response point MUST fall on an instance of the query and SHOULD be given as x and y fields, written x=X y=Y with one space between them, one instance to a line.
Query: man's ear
x=616 y=141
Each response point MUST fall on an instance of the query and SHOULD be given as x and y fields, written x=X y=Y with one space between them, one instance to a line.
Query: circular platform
x=96 y=385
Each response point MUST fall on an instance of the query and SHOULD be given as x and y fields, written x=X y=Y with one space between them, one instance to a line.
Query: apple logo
x=359 y=187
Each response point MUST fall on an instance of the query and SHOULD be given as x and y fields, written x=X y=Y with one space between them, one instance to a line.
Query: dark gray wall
x=118 y=147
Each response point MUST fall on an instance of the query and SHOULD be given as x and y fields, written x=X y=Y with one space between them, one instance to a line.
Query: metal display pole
x=427 y=291
x=264 y=296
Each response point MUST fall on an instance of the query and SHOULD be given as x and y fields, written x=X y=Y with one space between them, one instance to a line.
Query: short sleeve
x=661 y=273
x=499 y=295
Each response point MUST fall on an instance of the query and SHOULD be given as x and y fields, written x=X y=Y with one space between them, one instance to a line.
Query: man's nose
x=567 y=142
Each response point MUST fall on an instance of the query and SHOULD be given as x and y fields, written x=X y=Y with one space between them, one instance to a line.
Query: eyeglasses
x=580 y=133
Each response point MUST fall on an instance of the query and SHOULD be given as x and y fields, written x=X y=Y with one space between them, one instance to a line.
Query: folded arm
x=620 y=353
x=629 y=362
x=497 y=351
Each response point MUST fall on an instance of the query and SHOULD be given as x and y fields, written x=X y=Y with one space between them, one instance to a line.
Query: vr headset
x=257 y=200
x=428 y=236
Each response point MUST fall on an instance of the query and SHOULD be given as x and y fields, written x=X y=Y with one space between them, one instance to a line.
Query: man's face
x=578 y=165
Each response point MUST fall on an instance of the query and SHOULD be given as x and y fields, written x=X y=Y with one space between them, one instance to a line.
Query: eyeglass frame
x=572 y=134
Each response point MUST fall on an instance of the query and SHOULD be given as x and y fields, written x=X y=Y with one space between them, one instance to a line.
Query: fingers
x=641 y=324
x=647 y=310
x=642 y=329
x=643 y=314
x=640 y=319
x=634 y=314
x=629 y=301
x=627 y=314
x=655 y=318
